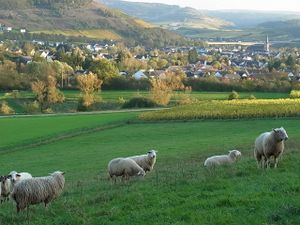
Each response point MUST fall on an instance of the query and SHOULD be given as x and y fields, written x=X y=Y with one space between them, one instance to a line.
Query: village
x=226 y=62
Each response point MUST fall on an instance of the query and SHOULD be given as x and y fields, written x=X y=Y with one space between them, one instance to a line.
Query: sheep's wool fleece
x=39 y=189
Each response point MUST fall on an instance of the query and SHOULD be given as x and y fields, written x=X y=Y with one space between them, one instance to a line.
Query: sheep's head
x=235 y=154
x=280 y=134
x=13 y=176
x=152 y=154
x=141 y=173
x=57 y=173
x=5 y=185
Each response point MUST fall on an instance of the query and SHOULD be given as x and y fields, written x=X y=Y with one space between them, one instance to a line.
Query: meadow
x=178 y=191
x=112 y=100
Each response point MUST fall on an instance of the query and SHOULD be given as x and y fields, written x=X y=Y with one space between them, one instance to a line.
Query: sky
x=270 y=5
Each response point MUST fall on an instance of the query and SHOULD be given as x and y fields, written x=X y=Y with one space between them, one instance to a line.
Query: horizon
x=254 y=5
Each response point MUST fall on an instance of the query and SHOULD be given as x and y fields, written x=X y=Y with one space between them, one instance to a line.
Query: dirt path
x=82 y=113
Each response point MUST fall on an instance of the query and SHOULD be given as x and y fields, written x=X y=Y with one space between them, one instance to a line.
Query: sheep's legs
x=276 y=162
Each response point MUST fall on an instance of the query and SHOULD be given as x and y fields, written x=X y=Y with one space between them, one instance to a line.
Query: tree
x=28 y=48
x=162 y=88
x=290 y=62
x=88 y=85
x=104 y=69
x=193 y=56
x=63 y=70
x=46 y=92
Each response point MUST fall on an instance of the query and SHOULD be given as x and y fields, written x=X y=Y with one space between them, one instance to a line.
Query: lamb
x=37 y=190
x=219 y=160
x=124 y=167
x=269 y=144
x=146 y=161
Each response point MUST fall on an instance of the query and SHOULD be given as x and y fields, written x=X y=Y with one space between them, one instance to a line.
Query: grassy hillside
x=249 y=18
x=93 y=33
x=88 y=19
x=178 y=191
x=169 y=16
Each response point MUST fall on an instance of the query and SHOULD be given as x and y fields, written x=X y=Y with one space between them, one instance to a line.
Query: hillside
x=290 y=28
x=61 y=16
x=251 y=18
x=168 y=16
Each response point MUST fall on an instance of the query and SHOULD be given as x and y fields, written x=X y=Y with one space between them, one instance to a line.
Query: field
x=225 y=109
x=113 y=99
x=179 y=190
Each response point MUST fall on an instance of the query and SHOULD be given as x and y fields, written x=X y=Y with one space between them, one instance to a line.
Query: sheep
x=146 y=161
x=219 y=160
x=269 y=144
x=8 y=182
x=124 y=167
x=37 y=190
x=5 y=188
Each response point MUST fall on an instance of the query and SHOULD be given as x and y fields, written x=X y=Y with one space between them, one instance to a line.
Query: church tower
x=267 y=44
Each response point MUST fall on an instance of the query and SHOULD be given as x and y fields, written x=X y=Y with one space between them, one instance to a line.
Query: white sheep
x=124 y=167
x=37 y=190
x=8 y=182
x=269 y=144
x=219 y=160
x=146 y=161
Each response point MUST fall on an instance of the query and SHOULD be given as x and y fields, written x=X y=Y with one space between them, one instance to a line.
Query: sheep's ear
x=18 y=175
x=275 y=130
x=9 y=176
x=62 y=173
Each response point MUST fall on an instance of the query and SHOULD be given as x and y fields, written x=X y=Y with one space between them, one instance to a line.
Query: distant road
x=83 y=113
x=241 y=43
x=234 y=43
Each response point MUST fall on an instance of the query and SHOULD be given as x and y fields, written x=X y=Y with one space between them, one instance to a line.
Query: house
x=44 y=54
x=25 y=59
x=232 y=76
x=7 y=29
x=218 y=74
x=139 y=75
x=156 y=73
x=291 y=76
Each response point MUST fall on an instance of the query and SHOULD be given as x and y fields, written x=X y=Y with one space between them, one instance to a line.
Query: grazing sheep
x=269 y=144
x=37 y=190
x=219 y=160
x=146 y=161
x=124 y=167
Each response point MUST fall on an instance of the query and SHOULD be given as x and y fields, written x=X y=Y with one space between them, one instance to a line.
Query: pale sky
x=272 y=5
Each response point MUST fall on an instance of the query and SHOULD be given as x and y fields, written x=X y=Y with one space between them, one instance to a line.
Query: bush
x=139 y=102
x=5 y=109
x=295 y=94
x=252 y=97
x=32 y=107
x=233 y=95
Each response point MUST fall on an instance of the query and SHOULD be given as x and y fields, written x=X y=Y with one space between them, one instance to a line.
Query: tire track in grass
x=59 y=137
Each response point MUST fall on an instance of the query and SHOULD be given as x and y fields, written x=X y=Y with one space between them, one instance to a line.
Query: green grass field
x=115 y=95
x=179 y=190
